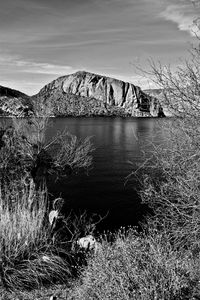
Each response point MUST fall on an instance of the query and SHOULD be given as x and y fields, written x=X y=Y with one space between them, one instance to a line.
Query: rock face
x=84 y=93
x=14 y=103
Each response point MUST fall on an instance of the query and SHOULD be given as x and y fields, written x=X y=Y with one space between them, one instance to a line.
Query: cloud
x=42 y=68
x=183 y=15
x=26 y=66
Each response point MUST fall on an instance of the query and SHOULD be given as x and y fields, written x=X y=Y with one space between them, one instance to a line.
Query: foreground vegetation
x=161 y=262
x=134 y=266
x=139 y=266
x=33 y=251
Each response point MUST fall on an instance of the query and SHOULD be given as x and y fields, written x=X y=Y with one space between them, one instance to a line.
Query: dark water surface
x=119 y=144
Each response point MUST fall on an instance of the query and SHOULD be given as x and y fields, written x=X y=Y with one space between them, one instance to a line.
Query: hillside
x=14 y=103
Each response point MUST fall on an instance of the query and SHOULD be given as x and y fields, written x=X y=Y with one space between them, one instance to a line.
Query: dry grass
x=29 y=257
x=138 y=267
x=135 y=266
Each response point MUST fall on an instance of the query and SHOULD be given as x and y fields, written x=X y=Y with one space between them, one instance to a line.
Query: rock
x=89 y=243
x=84 y=93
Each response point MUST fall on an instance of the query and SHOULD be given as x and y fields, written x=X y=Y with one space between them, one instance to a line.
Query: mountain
x=86 y=94
x=14 y=103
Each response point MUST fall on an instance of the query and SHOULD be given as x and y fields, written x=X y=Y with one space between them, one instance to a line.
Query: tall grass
x=29 y=257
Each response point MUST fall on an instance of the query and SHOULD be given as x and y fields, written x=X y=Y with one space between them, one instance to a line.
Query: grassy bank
x=134 y=266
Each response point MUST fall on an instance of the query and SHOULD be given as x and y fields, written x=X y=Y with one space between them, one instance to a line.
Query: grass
x=134 y=266
x=34 y=258
x=138 y=266
x=29 y=258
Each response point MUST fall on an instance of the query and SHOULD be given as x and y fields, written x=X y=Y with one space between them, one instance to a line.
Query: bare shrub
x=172 y=186
x=25 y=152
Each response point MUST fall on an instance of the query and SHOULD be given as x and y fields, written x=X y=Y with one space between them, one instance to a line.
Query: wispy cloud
x=33 y=67
x=42 y=68
x=182 y=14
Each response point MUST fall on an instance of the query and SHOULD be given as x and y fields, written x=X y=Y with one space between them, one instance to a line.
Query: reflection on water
x=118 y=149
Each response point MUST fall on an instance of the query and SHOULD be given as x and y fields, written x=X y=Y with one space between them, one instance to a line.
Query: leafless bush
x=174 y=193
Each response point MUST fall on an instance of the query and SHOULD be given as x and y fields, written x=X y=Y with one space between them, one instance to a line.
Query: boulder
x=89 y=243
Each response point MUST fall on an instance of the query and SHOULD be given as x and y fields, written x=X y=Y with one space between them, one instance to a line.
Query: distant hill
x=5 y=91
x=86 y=94
x=14 y=103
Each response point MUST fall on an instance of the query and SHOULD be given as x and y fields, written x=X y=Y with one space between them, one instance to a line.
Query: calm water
x=119 y=145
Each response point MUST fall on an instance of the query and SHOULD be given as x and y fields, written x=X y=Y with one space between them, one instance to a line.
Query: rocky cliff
x=14 y=103
x=84 y=93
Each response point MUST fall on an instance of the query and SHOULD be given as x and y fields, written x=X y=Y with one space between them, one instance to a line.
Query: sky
x=41 y=40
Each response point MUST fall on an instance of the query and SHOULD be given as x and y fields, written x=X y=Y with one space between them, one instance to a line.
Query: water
x=119 y=144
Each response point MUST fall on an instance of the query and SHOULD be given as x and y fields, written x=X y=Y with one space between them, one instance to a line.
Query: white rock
x=89 y=243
